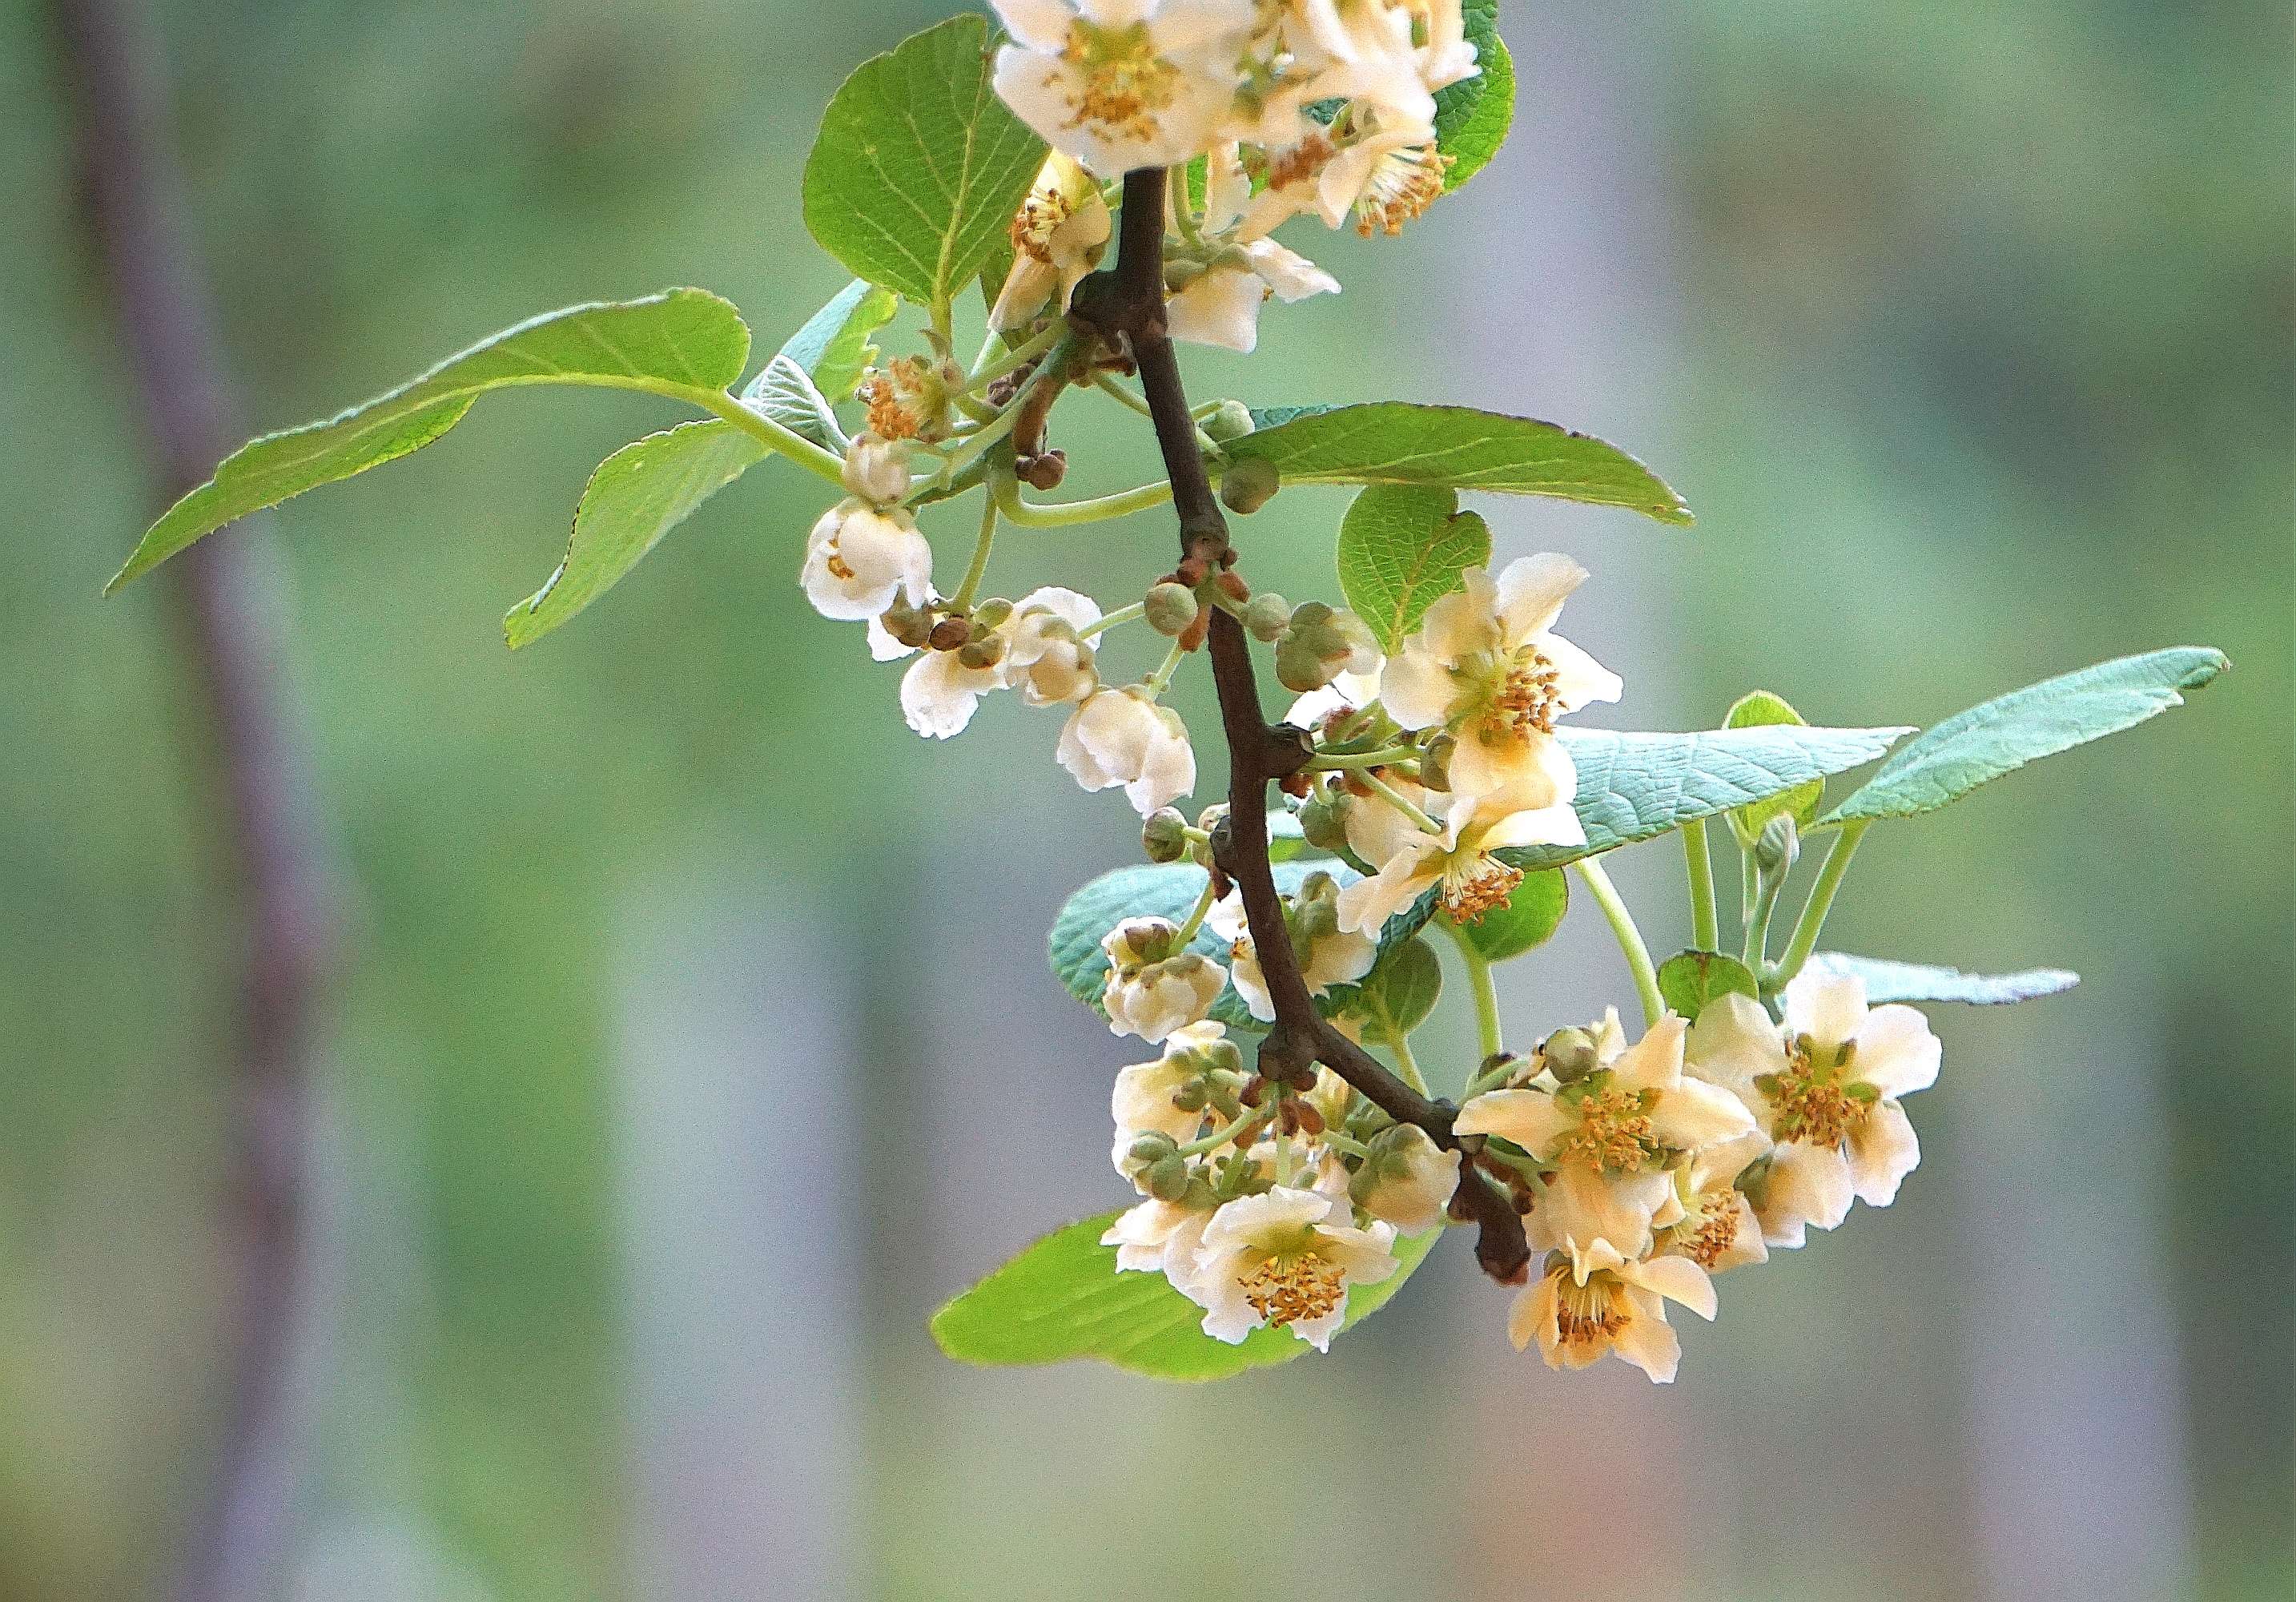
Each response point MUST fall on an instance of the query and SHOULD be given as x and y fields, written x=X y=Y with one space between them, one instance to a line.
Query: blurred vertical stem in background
x=267 y=827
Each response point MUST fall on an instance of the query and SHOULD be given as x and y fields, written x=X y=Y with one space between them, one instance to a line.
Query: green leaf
x=637 y=496
x=1398 y=443
x=1063 y=1298
x=1400 y=990
x=1948 y=761
x=1473 y=116
x=1527 y=921
x=680 y=340
x=785 y=392
x=1888 y=981
x=1763 y=710
x=1635 y=786
x=835 y=345
x=1168 y=891
x=1689 y=980
x=1284 y=839
x=1401 y=547
x=919 y=168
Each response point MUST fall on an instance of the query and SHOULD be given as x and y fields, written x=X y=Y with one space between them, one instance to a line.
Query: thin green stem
x=1488 y=1042
x=1405 y=1062
x=1019 y=356
x=1161 y=679
x=1704 y=930
x=1066 y=515
x=1806 y=930
x=1220 y=1137
x=789 y=442
x=1122 y=614
x=1184 y=209
x=1196 y=918
x=1364 y=759
x=1394 y=797
x=962 y=600
x=1108 y=384
x=1629 y=938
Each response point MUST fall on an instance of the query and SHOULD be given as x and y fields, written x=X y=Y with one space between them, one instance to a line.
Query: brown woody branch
x=1124 y=306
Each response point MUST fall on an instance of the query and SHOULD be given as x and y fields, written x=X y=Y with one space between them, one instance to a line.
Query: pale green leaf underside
x=680 y=339
x=1887 y=981
x=919 y=167
x=637 y=496
x=1638 y=786
x=1064 y=1298
x=1757 y=710
x=833 y=346
x=2003 y=735
x=1401 y=547
x=1472 y=117
x=1399 y=442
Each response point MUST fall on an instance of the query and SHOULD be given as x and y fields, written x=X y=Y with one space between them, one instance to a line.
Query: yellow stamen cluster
x=1613 y=1133
x=1588 y=1314
x=1529 y=696
x=896 y=397
x=1125 y=82
x=1286 y=1289
x=1302 y=162
x=1485 y=885
x=1403 y=185
x=1040 y=216
x=1813 y=1107
x=1718 y=1223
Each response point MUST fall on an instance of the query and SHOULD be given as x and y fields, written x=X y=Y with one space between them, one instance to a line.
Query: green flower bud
x=1778 y=846
x=982 y=651
x=1323 y=819
x=1248 y=485
x=913 y=626
x=991 y=614
x=1570 y=1054
x=1171 y=608
x=1267 y=616
x=1168 y=1180
x=1229 y=420
x=1165 y=836
x=1300 y=666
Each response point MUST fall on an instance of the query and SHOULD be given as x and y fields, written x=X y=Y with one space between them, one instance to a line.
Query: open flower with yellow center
x=1612 y=1137
x=1825 y=1088
x=1486 y=664
x=858 y=560
x=1219 y=281
x=1122 y=83
x=1591 y=1300
x=1059 y=234
x=1459 y=861
x=1718 y=1229
x=1284 y=1258
x=1328 y=955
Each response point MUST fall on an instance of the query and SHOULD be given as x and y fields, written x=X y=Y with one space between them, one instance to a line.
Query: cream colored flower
x=1407 y=1180
x=1826 y=1089
x=938 y=692
x=1328 y=955
x=1283 y=1259
x=1220 y=305
x=1159 y=1238
x=1121 y=736
x=1590 y=1301
x=1153 y=1098
x=1124 y=84
x=859 y=560
x=1718 y=1229
x=1047 y=660
x=1486 y=664
x=1059 y=234
x=1459 y=861
x=1155 y=987
x=1611 y=1137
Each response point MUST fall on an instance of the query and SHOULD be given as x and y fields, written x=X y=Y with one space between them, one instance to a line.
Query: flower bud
x=1323 y=643
x=1435 y=762
x=1268 y=616
x=1570 y=1054
x=1323 y=820
x=1171 y=608
x=911 y=625
x=1778 y=846
x=991 y=614
x=1165 y=836
x=877 y=470
x=1229 y=420
x=982 y=651
x=1248 y=485
x=1167 y=1179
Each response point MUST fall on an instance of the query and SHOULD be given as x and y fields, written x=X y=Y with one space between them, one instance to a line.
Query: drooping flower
x=1718 y=1229
x=1460 y=859
x=1167 y=1096
x=858 y=561
x=1407 y=1179
x=1156 y=986
x=1612 y=1137
x=1486 y=664
x=1588 y=1301
x=1227 y=277
x=1125 y=83
x=1047 y=660
x=1825 y=1088
x=1328 y=955
x=1283 y=1259
x=939 y=693
x=1059 y=234
x=1122 y=736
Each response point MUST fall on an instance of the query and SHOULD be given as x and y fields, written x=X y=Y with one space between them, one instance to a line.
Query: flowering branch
x=1124 y=305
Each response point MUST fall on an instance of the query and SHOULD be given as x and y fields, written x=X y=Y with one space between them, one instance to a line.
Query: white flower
x=1221 y=306
x=859 y=560
x=1121 y=736
x=877 y=470
x=1279 y=1259
x=1154 y=990
x=1350 y=692
x=1825 y=1088
x=1058 y=236
x=1327 y=953
x=1486 y=664
x=1610 y=1138
x=1159 y=1238
x=1123 y=84
x=938 y=692
x=1718 y=1229
x=1590 y=1301
x=1145 y=1099
x=1459 y=860
x=1044 y=658
x=1407 y=1180
x=1365 y=51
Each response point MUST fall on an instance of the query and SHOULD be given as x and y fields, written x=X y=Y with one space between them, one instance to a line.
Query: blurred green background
x=695 y=1041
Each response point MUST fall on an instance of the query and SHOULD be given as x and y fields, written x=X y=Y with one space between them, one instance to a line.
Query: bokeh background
x=694 y=1040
